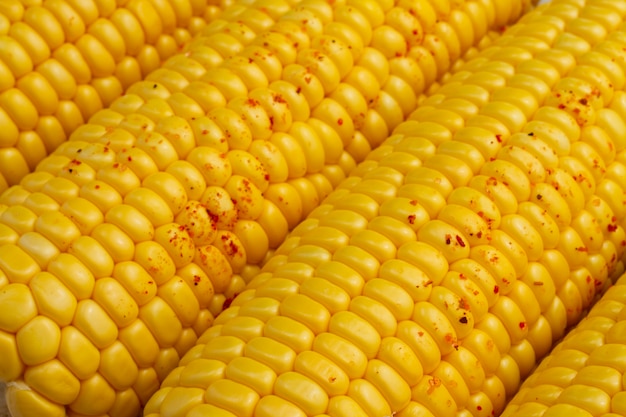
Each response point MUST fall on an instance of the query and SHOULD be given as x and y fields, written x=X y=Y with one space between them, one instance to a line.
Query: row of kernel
x=60 y=62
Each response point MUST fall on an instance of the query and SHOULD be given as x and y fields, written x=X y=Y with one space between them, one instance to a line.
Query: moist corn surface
x=61 y=61
x=445 y=266
x=122 y=246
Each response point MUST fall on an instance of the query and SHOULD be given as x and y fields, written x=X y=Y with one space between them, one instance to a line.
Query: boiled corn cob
x=369 y=122
x=63 y=60
x=120 y=239
x=584 y=374
x=434 y=277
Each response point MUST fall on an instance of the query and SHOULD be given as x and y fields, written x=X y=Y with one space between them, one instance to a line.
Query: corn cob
x=286 y=198
x=434 y=277
x=583 y=375
x=63 y=60
x=145 y=213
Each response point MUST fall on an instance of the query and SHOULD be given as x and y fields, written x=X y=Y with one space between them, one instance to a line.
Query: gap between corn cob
x=583 y=375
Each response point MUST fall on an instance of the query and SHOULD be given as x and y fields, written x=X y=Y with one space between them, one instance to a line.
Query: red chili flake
x=413 y=202
x=420 y=334
x=433 y=383
x=582 y=249
x=448 y=239
x=228 y=301
x=611 y=227
x=463 y=320
x=496 y=289
x=196 y=280
x=450 y=338
x=340 y=121
x=499 y=138
x=464 y=304
x=522 y=324
x=460 y=241
x=479 y=234
x=479 y=408
x=233 y=248
x=583 y=101
x=411 y=218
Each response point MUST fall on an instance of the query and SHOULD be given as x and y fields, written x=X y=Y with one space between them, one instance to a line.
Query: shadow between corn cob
x=61 y=61
x=92 y=227
x=438 y=273
x=583 y=375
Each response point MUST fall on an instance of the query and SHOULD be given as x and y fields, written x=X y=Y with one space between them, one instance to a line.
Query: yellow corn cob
x=583 y=375
x=120 y=239
x=63 y=60
x=434 y=277
x=323 y=162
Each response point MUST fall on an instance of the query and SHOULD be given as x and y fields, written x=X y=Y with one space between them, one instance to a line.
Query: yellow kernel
x=114 y=358
x=38 y=340
x=232 y=396
x=21 y=397
x=95 y=394
x=162 y=321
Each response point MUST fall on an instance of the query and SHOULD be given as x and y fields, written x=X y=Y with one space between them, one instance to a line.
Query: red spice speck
x=339 y=121
x=460 y=241
x=496 y=289
x=522 y=324
x=228 y=301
